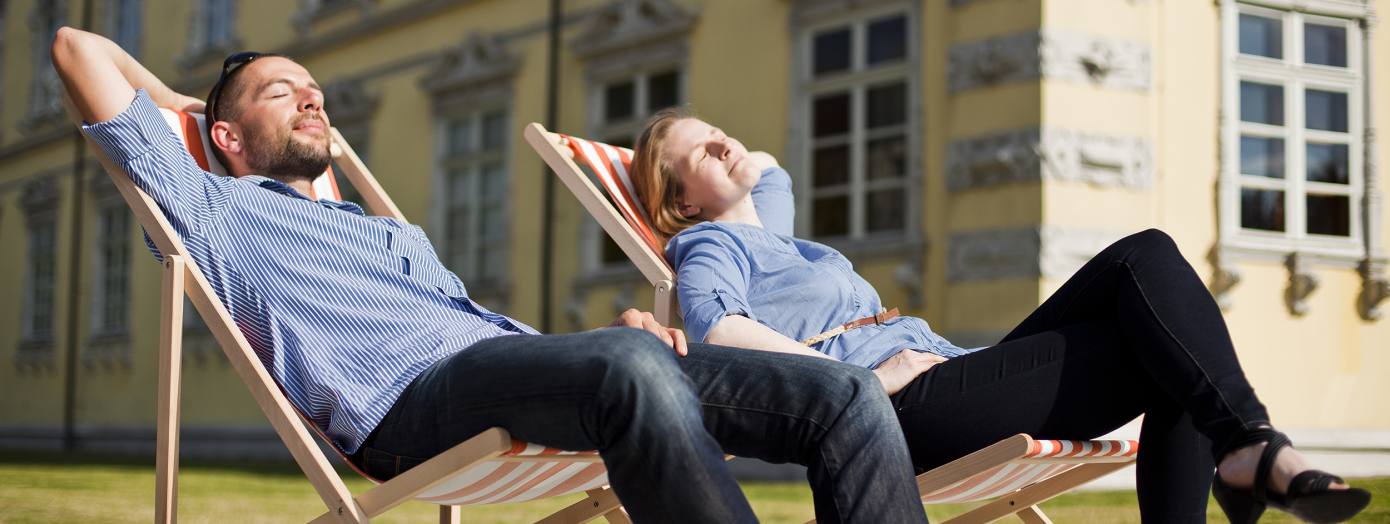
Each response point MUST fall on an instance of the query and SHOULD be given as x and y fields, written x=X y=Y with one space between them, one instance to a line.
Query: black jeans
x=662 y=423
x=1134 y=331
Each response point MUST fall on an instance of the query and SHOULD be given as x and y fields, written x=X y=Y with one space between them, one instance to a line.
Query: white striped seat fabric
x=517 y=475
x=1044 y=459
x=610 y=165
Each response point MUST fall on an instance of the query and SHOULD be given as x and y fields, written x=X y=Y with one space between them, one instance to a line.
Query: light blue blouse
x=796 y=287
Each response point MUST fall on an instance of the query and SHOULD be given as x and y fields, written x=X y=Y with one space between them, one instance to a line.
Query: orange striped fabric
x=191 y=128
x=610 y=165
x=1032 y=467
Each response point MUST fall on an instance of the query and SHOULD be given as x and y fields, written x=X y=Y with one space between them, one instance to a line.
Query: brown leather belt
x=875 y=319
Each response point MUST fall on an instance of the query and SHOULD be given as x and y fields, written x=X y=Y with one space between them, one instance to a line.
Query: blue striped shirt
x=343 y=309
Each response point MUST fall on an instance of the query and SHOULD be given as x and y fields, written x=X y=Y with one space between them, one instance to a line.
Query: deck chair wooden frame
x=1018 y=472
x=430 y=480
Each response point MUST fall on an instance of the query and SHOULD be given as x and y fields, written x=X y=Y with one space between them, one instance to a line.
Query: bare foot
x=1237 y=468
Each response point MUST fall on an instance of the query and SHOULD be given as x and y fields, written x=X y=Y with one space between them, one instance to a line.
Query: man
x=379 y=344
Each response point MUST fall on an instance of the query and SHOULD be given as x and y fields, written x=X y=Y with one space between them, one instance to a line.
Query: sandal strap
x=1311 y=481
x=1274 y=442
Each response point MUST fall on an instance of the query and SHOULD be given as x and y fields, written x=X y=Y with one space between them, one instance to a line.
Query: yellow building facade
x=967 y=155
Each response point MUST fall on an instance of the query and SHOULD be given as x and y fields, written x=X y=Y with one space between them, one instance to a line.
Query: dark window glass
x=887 y=105
x=1329 y=215
x=460 y=136
x=1325 y=45
x=1262 y=156
x=886 y=158
x=1326 y=110
x=1262 y=209
x=1262 y=103
x=831 y=216
x=494 y=130
x=1328 y=163
x=887 y=39
x=887 y=210
x=830 y=166
x=1261 y=36
x=618 y=101
x=831 y=115
x=663 y=91
x=831 y=52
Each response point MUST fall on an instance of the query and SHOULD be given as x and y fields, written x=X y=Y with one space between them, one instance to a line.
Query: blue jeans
x=663 y=423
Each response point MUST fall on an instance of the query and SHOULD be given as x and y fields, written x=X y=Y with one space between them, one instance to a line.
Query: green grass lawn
x=49 y=488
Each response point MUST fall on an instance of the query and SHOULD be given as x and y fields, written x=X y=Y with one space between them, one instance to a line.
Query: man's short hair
x=228 y=103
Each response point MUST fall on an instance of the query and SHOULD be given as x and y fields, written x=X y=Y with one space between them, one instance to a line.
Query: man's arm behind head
x=101 y=78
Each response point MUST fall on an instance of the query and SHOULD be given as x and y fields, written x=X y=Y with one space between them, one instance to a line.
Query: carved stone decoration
x=1302 y=283
x=1375 y=288
x=41 y=194
x=625 y=24
x=909 y=276
x=1223 y=279
x=348 y=101
x=45 y=89
x=1065 y=249
x=479 y=60
x=1052 y=154
x=1047 y=252
x=107 y=356
x=1049 y=55
x=311 y=10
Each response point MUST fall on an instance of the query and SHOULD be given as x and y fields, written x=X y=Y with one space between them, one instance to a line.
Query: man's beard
x=279 y=156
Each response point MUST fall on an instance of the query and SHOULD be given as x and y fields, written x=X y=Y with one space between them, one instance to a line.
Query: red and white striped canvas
x=1044 y=459
x=610 y=165
x=192 y=129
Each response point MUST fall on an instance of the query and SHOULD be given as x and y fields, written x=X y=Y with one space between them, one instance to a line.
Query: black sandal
x=1308 y=497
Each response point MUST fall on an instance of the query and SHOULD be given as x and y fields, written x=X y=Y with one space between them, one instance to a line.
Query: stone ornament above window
x=45 y=88
x=349 y=101
x=480 y=59
x=625 y=24
x=1049 y=154
x=41 y=193
x=1049 y=55
x=311 y=11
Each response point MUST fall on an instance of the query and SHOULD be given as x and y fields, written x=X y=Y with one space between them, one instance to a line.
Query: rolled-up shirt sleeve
x=712 y=278
x=773 y=199
x=141 y=144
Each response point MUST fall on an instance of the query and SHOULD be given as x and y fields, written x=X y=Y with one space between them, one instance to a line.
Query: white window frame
x=592 y=235
x=32 y=286
x=448 y=163
x=857 y=81
x=109 y=270
x=1294 y=76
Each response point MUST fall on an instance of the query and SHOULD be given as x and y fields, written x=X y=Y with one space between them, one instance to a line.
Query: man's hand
x=646 y=322
x=901 y=369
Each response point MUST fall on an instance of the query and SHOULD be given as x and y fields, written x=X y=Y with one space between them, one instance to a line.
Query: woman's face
x=714 y=168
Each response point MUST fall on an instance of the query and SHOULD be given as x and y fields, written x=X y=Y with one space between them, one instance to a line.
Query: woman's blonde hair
x=658 y=186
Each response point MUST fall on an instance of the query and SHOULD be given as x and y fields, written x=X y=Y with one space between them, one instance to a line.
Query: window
x=856 y=88
x=40 y=203
x=214 y=27
x=111 y=297
x=475 y=176
x=126 y=21
x=1294 y=131
x=624 y=104
x=45 y=103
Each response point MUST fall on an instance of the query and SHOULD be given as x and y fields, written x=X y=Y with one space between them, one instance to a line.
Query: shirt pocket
x=418 y=262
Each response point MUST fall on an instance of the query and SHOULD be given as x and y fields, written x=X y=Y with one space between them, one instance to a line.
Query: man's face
x=282 y=122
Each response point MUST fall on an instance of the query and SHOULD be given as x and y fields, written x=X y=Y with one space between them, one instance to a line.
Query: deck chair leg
x=449 y=514
x=170 y=360
x=1037 y=493
x=600 y=503
x=663 y=307
x=1033 y=515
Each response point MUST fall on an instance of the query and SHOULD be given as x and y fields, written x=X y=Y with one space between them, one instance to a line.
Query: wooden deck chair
x=1019 y=472
x=486 y=469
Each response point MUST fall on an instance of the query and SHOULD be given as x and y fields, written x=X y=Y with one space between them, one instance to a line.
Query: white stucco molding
x=1049 y=55
x=626 y=26
x=314 y=10
x=1302 y=283
x=476 y=67
x=350 y=101
x=1049 y=154
x=1051 y=252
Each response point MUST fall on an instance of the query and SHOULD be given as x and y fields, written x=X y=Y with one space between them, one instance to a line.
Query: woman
x=1133 y=332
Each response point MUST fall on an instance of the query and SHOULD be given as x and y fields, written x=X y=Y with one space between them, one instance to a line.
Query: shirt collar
x=285 y=189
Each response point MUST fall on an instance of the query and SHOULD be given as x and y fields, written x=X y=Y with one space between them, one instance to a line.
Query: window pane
x=887 y=105
x=830 y=166
x=494 y=130
x=887 y=39
x=1325 y=45
x=612 y=254
x=494 y=182
x=1329 y=215
x=831 y=52
x=1326 y=110
x=886 y=158
x=618 y=101
x=831 y=216
x=1261 y=36
x=458 y=188
x=1262 y=156
x=460 y=136
x=1328 y=163
x=662 y=91
x=887 y=210
x=831 y=115
x=1262 y=103
x=1262 y=209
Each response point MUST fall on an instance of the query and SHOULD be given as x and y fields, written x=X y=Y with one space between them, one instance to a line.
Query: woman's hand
x=901 y=369
x=762 y=160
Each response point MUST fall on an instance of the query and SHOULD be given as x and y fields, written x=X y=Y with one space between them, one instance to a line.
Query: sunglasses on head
x=230 y=66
